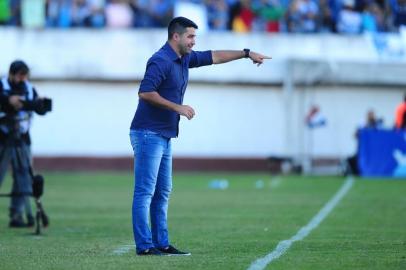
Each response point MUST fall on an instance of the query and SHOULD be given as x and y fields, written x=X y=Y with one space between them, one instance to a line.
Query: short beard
x=183 y=50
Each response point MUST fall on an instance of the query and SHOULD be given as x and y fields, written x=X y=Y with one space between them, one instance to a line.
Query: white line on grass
x=123 y=249
x=284 y=245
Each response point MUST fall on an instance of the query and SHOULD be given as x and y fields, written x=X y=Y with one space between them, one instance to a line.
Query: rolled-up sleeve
x=155 y=74
x=198 y=59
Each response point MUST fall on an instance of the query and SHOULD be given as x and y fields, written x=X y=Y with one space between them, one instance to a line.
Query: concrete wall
x=93 y=118
x=242 y=110
x=122 y=54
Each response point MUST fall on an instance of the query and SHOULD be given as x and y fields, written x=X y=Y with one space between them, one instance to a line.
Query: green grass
x=224 y=229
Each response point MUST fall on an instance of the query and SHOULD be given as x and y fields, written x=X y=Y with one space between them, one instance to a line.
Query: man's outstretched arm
x=220 y=57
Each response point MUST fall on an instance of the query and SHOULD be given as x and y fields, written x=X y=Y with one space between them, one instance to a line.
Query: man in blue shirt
x=156 y=121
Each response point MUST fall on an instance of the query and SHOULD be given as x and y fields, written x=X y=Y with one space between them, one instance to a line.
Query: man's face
x=371 y=116
x=186 y=41
x=18 y=78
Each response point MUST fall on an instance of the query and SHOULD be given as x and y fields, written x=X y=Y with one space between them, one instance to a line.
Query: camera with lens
x=40 y=105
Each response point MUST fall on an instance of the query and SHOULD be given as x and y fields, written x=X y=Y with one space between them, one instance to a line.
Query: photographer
x=18 y=101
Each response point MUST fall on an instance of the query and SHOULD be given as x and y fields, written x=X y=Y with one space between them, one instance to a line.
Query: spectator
x=52 y=12
x=5 y=12
x=361 y=5
x=153 y=13
x=161 y=12
x=217 y=11
x=141 y=16
x=344 y=16
x=400 y=115
x=372 y=122
x=373 y=18
x=88 y=13
x=15 y=9
x=59 y=13
x=234 y=10
x=81 y=13
x=398 y=8
x=119 y=14
x=302 y=16
x=326 y=18
x=314 y=118
x=97 y=18
x=244 y=16
x=349 y=20
x=33 y=13
x=269 y=13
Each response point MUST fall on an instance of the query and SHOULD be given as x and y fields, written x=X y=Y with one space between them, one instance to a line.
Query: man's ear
x=176 y=36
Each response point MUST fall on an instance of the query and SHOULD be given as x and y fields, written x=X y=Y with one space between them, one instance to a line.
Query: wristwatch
x=247 y=53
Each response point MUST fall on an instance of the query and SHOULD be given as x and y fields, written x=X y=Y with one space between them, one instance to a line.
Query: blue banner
x=382 y=153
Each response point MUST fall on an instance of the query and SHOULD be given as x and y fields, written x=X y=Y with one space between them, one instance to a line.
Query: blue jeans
x=153 y=185
x=20 y=159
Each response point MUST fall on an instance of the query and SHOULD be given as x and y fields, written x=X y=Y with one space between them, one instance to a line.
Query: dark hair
x=179 y=25
x=19 y=67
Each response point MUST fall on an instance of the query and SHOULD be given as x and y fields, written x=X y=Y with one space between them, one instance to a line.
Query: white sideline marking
x=123 y=249
x=284 y=245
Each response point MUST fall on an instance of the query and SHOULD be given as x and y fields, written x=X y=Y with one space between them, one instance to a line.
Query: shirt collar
x=171 y=53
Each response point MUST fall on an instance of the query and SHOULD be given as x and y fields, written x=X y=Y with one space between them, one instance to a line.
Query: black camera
x=40 y=105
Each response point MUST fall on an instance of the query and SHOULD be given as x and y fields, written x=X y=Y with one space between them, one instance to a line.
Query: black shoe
x=171 y=250
x=17 y=223
x=150 y=251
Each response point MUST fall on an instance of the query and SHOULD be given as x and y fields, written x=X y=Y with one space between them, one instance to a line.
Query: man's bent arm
x=157 y=100
x=220 y=57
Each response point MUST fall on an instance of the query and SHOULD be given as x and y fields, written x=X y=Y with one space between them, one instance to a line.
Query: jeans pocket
x=152 y=139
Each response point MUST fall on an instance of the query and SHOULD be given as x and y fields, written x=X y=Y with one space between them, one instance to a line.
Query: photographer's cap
x=19 y=67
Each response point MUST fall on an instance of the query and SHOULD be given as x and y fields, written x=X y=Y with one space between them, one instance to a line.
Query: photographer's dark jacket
x=10 y=119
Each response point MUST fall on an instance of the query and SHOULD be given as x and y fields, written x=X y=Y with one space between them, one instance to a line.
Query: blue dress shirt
x=168 y=75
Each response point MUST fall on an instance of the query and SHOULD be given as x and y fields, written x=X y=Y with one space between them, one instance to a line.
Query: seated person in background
x=349 y=20
x=372 y=122
x=302 y=16
x=398 y=8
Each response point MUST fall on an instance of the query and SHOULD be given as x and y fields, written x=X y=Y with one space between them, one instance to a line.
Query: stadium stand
x=297 y=16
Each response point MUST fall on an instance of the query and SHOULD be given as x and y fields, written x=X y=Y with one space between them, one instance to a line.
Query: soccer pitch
x=90 y=216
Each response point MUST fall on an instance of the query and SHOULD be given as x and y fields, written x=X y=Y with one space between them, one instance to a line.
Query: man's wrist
x=176 y=107
x=246 y=53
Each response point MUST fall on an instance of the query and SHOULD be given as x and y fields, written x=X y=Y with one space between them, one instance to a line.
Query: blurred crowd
x=298 y=16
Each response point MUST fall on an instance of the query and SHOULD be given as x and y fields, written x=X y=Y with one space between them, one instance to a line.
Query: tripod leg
x=38 y=223
x=44 y=217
